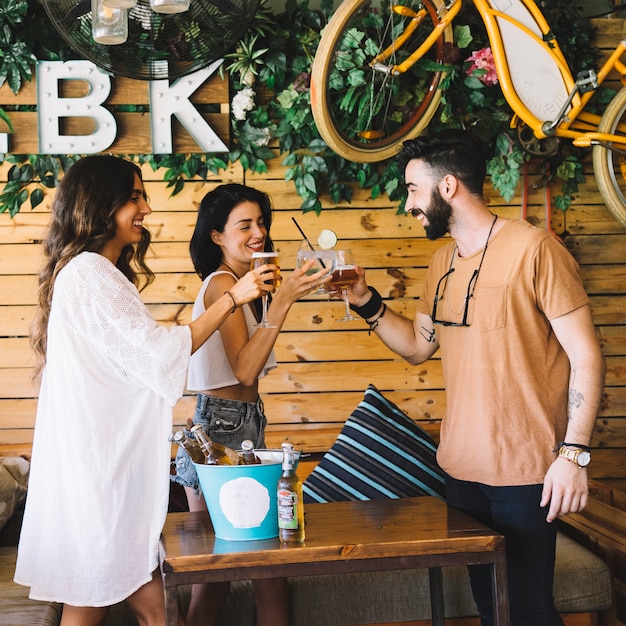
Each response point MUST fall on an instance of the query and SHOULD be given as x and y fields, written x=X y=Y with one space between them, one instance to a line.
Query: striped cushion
x=380 y=453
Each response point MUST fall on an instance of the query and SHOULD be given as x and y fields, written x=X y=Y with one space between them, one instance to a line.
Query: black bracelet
x=371 y=307
x=580 y=446
x=233 y=299
x=374 y=323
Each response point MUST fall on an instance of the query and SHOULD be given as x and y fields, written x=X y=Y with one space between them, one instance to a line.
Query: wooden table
x=341 y=537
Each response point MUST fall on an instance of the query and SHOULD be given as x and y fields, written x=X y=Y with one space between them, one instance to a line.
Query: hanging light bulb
x=120 y=4
x=169 y=6
x=109 y=26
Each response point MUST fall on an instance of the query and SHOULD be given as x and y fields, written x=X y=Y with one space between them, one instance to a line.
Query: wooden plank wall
x=325 y=365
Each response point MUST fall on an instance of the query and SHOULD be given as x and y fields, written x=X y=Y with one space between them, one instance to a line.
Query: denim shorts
x=228 y=422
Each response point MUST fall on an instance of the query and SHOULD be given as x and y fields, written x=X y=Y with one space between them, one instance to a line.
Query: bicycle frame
x=451 y=12
x=505 y=31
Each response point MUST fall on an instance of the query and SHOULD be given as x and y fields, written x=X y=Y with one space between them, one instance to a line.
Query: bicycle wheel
x=363 y=113
x=609 y=166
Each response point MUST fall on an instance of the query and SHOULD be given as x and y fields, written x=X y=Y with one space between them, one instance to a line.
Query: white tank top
x=209 y=367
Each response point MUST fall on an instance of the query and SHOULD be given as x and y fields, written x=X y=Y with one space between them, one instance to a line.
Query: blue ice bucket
x=241 y=499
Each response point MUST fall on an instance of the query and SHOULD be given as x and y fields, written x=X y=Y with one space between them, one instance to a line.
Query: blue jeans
x=530 y=549
x=228 y=422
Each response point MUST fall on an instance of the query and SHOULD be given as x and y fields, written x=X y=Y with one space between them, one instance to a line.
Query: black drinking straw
x=306 y=239
x=302 y=233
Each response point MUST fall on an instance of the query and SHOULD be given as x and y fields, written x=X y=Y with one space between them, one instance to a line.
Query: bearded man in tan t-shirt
x=523 y=369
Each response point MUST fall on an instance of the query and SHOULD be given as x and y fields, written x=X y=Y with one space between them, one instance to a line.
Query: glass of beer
x=344 y=275
x=263 y=258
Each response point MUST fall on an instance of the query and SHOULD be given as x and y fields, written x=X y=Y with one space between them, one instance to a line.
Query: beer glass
x=262 y=258
x=344 y=275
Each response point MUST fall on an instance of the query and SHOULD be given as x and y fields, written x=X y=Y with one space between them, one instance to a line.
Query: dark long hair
x=213 y=214
x=83 y=219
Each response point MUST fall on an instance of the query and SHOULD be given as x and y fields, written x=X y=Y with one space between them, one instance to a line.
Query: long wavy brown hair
x=83 y=219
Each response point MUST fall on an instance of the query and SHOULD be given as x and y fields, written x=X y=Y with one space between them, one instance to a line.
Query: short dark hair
x=213 y=214
x=455 y=151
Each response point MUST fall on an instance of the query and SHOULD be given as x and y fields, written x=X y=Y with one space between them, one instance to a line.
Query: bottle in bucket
x=290 y=504
x=190 y=446
x=248 y=456
x=214 y=454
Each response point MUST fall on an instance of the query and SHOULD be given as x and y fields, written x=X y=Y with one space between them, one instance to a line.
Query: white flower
x=266 y=137
x=242 y=103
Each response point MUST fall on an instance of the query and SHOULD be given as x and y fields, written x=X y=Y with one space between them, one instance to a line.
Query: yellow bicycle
x=377 y=74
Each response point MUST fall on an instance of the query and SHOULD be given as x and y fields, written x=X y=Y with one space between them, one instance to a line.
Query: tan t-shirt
x=506 y=375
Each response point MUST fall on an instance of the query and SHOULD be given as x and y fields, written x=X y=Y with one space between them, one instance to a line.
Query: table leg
x=500 y=593
x=171 y=604
x=436 y=596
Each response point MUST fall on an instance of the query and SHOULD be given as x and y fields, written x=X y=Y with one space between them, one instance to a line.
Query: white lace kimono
x=99 y=482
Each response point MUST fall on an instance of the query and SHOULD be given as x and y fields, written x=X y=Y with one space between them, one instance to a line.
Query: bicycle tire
x=609 y=166
x=344 y=107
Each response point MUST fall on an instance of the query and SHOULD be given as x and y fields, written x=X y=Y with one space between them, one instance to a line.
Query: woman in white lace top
x=110 y=375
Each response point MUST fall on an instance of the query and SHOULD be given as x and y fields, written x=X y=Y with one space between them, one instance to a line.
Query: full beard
x=438 y=212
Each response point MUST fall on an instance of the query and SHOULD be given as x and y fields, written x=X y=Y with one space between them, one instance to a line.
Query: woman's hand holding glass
x=250 y=286
x=300 y=283
x=321 y=260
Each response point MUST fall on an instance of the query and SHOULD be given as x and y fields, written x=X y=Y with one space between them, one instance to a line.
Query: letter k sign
x=167 y=100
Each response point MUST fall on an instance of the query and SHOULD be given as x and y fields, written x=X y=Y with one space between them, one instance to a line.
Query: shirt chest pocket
x=490 y=308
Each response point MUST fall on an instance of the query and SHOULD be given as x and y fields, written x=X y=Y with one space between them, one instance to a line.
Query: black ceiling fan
x=159 y=46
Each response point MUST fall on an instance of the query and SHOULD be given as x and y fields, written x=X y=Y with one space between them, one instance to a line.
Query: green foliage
x=17 y=59
x=27 y=170
x=274 y=60
x=27 y=35
x=181 y=167
x=468 y=103
x=504 y=166
x=570 y=172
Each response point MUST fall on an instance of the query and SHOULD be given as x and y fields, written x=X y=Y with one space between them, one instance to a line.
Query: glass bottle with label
x=290 y=503
x=248 y=456
x=214 y=454
x=190 y=446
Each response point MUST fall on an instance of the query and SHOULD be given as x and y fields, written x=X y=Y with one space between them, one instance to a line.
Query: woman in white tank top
x=233 y=222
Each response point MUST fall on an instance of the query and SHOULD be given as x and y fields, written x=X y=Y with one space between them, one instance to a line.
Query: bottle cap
x=288 y=455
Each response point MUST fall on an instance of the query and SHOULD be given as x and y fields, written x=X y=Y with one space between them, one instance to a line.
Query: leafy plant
x=27 y=169
x=17 y=59
x=472 y=101
x=271 y=114
x=472 y=98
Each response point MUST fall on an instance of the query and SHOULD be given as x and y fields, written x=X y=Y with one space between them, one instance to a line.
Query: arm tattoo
x=575 y=398
x=429 y=335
